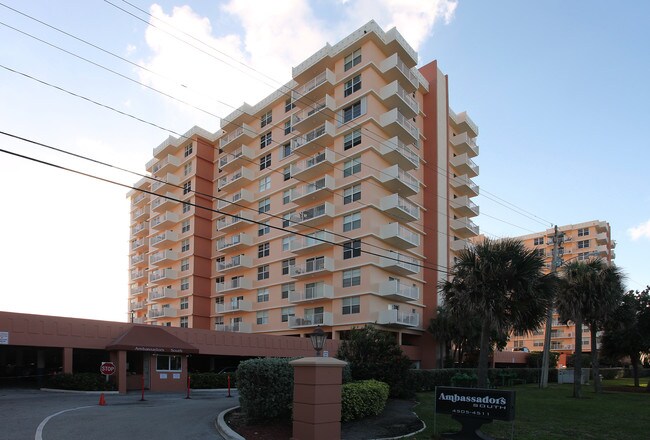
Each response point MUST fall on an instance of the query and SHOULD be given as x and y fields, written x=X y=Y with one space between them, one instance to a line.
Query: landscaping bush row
x=265 y=388
x=80 y=382
x=428 y=380
x=204 y=381
x=362 y=399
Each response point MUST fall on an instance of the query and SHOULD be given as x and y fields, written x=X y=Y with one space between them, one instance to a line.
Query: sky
x=558 y=89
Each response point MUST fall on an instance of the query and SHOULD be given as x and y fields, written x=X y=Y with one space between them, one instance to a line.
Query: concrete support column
x=120 y=366
x=67 y=360
x=317 y=398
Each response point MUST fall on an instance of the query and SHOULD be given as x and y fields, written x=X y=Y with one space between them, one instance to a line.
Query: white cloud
x=640 y=231
x=130 y=48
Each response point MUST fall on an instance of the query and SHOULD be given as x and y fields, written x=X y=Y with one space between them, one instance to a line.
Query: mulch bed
x=266 y=431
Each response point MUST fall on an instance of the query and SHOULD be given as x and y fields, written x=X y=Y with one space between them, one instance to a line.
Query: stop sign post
x=107 y=368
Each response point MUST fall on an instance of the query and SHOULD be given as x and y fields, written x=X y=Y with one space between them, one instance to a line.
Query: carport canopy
x=152 y=339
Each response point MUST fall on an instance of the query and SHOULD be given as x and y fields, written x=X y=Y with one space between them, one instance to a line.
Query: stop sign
x=107 y=368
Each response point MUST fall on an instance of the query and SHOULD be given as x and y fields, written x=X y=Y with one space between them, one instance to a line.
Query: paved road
x=40 y=415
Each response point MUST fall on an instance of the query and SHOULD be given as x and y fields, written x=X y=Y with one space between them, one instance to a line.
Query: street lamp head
x=318 y=339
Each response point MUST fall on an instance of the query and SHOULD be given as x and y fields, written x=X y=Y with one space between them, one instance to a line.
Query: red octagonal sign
x=107 y=368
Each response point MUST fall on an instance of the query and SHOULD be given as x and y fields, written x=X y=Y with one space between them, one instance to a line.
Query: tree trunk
x=635 y=369
x=483 y=355
x=577 y=361
x=595 y=366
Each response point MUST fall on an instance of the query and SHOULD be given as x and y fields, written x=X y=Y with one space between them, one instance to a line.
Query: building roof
x=152 y=339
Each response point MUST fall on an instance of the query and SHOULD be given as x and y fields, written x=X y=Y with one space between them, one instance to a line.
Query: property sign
x=107 y=368
x=476 y=402
x=4 y=338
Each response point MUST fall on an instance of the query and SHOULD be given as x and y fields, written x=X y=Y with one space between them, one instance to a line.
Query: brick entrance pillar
x=317 y=398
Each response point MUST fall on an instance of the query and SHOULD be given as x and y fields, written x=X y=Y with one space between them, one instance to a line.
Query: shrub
x=212 y=380
x=464 y=380
x=428 y=380
x=534 y=359
x=265 y=388
x=80 y=382
x=362 y=399
x=611 y=373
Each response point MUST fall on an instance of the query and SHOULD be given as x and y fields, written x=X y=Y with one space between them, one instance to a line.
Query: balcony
x=314 y=166
x=464 y=206
x=395 y=96
x=399 y=236
x=313 y=267
x=464 y=123
x=238 y=157
x=137 y=259
x=235 y=327
x=162 y=275
x=136 y=290
x=399 y=291
x=399 y=181
x=241 y=197
x=164 y=239
x=162 y=293
x=242 y=134
x=464 y=165
x=234 y=285
x=136 y=244
x=233 y=222
x=394 y=69
x=235 y=262
x=138 y=198
x=464 y=186
x=165 y=312
x=165 y=220
x=318 y=86
x=137 y=274
x=166 y=164
x=314 y=140
x=396 y=124
x=458 y=245
x=464 y=227
x=136 y=305
x=311 y=192
x=399 y=319
x=316 y=241
x=233 y=242
x=139 y=229
x=397 y=152
x=315 y=292
x=158 y=204
x=601 y=238
x=463 y=144
x=400 y=264
x=139 y=213
x=234 y=306
x=163 y=257
x=313 y=216
x=236 y=180
x=601 y=250
x=167 y=183
x=314 y=114
x=138 y=320
x=312 y=320
x=399 y=208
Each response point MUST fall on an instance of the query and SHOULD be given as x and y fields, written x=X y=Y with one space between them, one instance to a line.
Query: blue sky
x=559 y=91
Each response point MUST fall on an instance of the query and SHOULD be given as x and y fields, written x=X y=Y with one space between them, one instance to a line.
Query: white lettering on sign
x=473 y=399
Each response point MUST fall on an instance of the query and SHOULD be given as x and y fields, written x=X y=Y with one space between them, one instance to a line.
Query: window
x=286 y=219
x=287 y=127
x=265 y=161
x=185 y=226
x=185 y=283
x=265 y=140
x=352 y=139
x=263 y=250
x=266 y=118
x=351 y=249
x=583 y=231
x=188 y=149
x=287 y=288
x=263 y=317
x=286 y=172
x=263 y=272
x=352 y=112
x=351 y=305
x=351 y=166
x=352 y=60
x=264 y=206
x=185 y=264
x=263 y=229
x=168 y=363
x=538 y=241
x=186 y=207
x=288 y=105
x=286 y=242
x=265 y=183
x=286 y=264
x=286 y=150
x=187 y=169
x=352 y=221
x=352 y=86
x=262 y=295
x=583 y=256
x=185 y=303
x=185 y=245
x=286 y=196
x=187 y=187
x=540 y=252
x=351 y=194
x=583 y=244
x=286 y=312
x=351 y=277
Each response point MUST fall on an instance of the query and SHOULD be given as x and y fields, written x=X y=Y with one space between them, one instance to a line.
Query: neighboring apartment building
x=581 y=242
x=333 y=202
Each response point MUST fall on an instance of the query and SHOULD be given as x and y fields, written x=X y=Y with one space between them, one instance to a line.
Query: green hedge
x=204 y=381
x=428 y=380
x=362 y=399
x=611 y=373
x=265 y=388
x=80 y=382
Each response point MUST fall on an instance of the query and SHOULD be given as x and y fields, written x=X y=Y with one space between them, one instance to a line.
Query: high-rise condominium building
x=580 y=242
x=337 y=201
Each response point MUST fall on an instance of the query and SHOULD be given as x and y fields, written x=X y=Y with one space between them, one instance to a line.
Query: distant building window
x=185 y=245
x=538 y=241
x=351 y=194
x=287 y=288
x=263 y=250
x=265 y=183
x=168 y=363
x=187 y=187
x=351 y=305
x=583 y=244
x=185 y=303
x=264 y=206
x=286 y=313
x=288 y=105
x=352 y=139
x=262 y=295
x=351 y=277
x=263 y=229
x=583 y=231
x=188 y=150
x=186 y=207
x=352 y=221
x=286 y=264
x=265 y=162
x=263 y=272
x=286 y=150
x=265 y=140
x=352 y=60
x=266 y=118
x=185 y=264
x=352 y=112
x=351 y=249
x=352 y=166
x=187 y=168
x=352 y=86
x=185 y=226
x=263 y=317
x=185 y=283
x=287 y=127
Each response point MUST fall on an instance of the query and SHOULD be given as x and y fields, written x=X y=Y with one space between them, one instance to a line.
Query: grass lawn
x=552 y=414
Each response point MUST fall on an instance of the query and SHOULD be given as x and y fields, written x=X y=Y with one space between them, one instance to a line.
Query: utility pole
x=556 y=261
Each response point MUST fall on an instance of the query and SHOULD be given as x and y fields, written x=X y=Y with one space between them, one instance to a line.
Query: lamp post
x=318 y=340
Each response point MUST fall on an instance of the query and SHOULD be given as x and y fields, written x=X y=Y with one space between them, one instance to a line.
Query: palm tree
x=501 y=283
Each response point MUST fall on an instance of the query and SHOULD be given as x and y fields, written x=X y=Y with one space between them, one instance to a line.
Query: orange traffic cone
x=102 y=401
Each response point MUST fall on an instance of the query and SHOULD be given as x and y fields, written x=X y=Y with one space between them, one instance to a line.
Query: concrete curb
x=55 y=390
x=223 y=428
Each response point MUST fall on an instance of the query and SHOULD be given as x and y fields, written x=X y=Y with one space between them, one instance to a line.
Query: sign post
x=107 y=369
